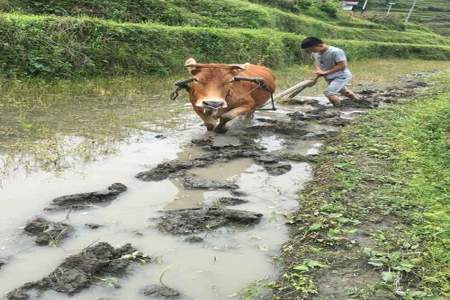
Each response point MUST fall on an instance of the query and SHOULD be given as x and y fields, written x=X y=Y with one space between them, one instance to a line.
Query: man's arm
x=316 y=66
x=341 y=65
x=316 y=62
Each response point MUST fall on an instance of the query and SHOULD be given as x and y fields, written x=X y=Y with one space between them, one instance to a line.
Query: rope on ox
x=259 y=81
x=181 y=85
x=262 y=84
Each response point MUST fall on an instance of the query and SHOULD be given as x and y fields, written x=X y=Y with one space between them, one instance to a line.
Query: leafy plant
x=329 y=7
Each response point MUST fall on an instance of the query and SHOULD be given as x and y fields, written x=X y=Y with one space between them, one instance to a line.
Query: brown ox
x=220 y=92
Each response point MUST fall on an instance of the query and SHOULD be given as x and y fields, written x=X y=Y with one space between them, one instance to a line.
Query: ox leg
x=209 y=121
x=225 y=118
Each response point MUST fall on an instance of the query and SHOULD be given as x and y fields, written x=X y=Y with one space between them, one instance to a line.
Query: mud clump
x=3 y=262
x=362 y=103
x=389 y=95
x=289 y=128
x=159 y=291
x=299 y=157
x=317 y=114
x=166 y=169
x=93 y=226
x=195 y=220
x=273 y=165
x=82 y=270
x=305 y=100
x=48 y=232
x=197 y=183
x=85 y=200
x=331 y=117
x=229 y=201
x=336 y=122
x=178 y=168
x=194 y=239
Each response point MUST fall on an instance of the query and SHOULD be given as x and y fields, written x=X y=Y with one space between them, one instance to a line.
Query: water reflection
x=54 y=126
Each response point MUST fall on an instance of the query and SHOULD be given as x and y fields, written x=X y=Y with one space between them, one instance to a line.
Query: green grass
x=388 y=175
x=66 y=46
x=225 y=14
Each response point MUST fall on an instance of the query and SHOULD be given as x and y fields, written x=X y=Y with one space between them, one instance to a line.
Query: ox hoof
x=220 y=129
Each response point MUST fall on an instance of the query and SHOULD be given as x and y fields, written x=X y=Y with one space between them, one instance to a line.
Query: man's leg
x=332 y=91
x=335 y=100
x=349 y=94
x=335 y=88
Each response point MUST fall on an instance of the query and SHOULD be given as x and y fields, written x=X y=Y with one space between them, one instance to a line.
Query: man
x=331 y=63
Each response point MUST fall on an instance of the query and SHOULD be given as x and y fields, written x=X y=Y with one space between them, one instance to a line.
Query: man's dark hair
x=311 y=42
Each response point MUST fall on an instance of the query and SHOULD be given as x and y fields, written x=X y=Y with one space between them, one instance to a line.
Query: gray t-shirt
x=329 y=59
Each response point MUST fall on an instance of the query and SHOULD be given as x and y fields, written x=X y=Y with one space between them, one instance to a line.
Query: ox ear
x=190 y=64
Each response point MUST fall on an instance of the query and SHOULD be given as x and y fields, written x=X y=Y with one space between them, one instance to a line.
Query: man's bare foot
x=351 y=95
x=335 y=100
x=355 y=97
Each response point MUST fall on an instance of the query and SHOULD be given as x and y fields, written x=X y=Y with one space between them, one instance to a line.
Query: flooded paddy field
x=205 y=214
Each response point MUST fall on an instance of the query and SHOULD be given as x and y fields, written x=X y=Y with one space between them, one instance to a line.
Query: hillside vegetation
x=432 y=13
x=69 y=38
x=220 y=14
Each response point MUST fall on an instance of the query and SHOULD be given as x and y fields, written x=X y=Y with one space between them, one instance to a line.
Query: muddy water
x=82 y=137
x=229 y=259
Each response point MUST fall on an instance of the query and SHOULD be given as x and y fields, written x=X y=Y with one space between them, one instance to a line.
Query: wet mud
x=240 y=145
x=195 y=182
x=159 y=291
x=196 y=220
x=229 y=201
x=3 y=261
x=80 y=271
x=93 y=226
x=176 y=168
x=86 y=200
x=48 y=232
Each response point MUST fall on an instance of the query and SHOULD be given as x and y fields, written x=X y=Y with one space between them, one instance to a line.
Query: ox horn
x=239 y=66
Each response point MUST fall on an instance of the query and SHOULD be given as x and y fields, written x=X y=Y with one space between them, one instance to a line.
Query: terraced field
x=72 y=38
x=432 y=13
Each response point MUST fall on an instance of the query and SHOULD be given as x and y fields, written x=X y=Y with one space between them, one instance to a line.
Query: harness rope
x=260 y=84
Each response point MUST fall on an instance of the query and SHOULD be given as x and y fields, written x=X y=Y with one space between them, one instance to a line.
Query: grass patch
x=385 y=182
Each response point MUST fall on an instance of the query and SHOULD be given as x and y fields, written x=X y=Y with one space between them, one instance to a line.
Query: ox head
x=210 y=84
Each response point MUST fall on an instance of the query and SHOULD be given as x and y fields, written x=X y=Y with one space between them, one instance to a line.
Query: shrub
x=330 y=8
x=305 y=4
x=392 y=22
x=4 y=5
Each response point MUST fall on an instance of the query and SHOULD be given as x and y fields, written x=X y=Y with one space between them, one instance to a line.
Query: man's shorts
x=336 y=85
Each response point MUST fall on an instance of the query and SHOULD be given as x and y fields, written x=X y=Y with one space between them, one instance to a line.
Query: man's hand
x=320 y=72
